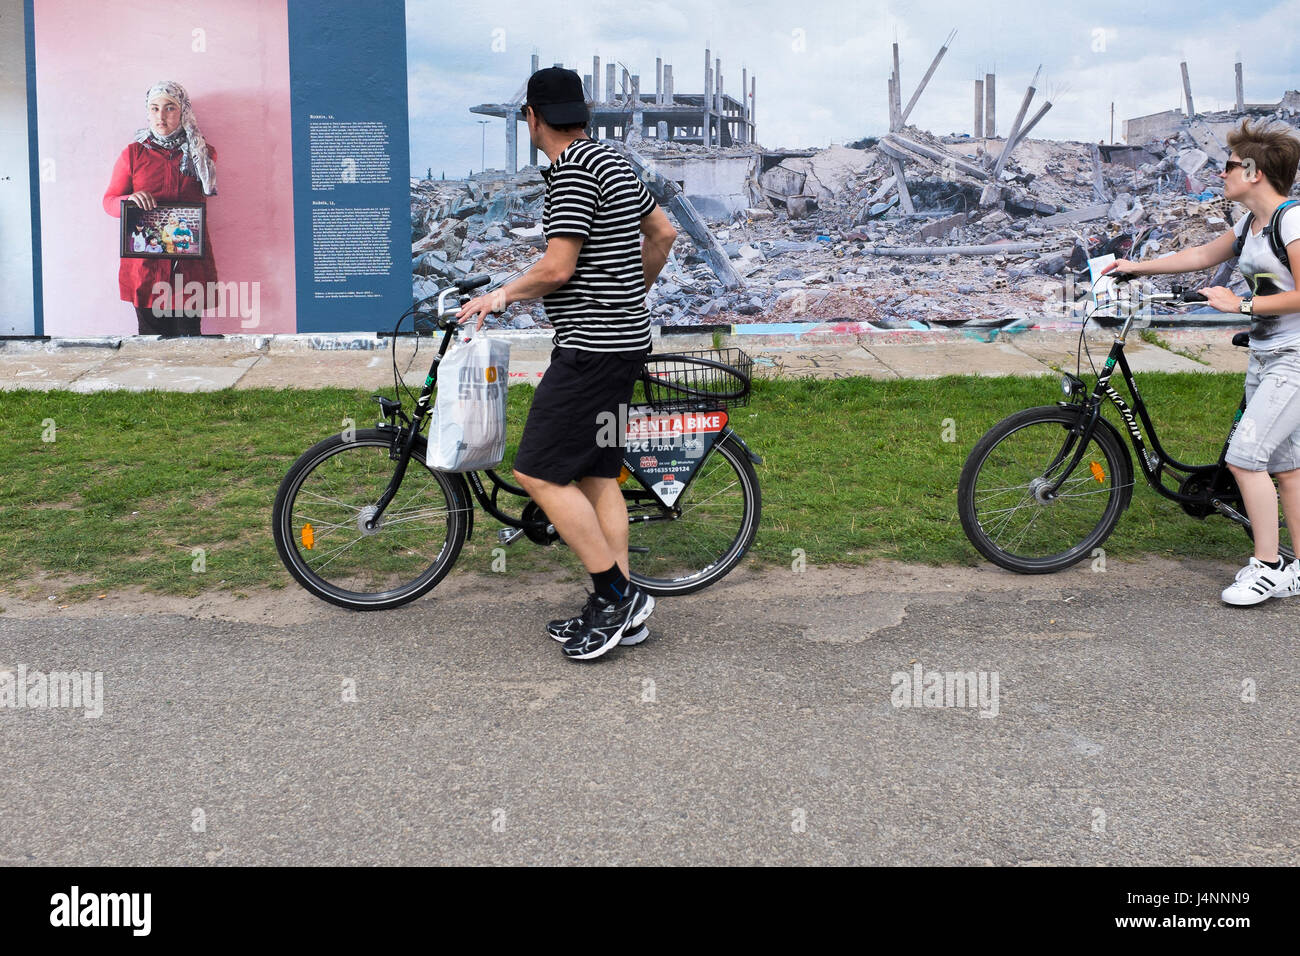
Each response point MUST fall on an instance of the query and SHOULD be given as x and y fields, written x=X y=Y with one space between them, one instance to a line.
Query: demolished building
x=907 y=230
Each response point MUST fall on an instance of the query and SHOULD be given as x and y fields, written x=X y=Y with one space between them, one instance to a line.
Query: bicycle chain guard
x=1225 y=489
x=532 y=517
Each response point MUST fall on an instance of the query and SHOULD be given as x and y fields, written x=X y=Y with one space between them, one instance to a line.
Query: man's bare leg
x=607 y=501
x=575 y=518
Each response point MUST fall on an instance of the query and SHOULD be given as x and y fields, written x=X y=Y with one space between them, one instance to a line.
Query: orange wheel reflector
x=624 y=475
x=309 y=534
x=1098 y=473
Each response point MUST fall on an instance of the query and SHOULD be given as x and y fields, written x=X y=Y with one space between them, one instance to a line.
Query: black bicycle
x=1045 y=486
x=361 y=521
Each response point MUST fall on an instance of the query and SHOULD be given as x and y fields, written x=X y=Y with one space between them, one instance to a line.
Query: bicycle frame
x=407 y=435
x=1154 y=460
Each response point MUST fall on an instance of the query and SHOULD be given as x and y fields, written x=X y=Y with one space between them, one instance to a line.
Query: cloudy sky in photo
x=832 y=87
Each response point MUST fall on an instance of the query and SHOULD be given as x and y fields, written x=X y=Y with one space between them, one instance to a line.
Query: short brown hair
x=1274 y=151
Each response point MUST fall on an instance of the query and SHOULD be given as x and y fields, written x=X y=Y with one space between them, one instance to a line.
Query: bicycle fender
x=755 y=458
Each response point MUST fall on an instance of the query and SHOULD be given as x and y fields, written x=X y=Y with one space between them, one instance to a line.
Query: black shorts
x=575 y=429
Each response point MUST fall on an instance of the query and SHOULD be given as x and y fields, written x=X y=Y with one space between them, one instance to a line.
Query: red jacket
x=155 y=170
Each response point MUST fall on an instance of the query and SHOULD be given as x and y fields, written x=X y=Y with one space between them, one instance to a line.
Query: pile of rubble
x=830 y=236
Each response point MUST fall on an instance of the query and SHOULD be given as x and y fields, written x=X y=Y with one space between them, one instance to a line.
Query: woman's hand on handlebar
x=1121 y=265
x=1222 y=299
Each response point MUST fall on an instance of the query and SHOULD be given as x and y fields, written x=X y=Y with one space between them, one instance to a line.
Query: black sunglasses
x=1230 y=165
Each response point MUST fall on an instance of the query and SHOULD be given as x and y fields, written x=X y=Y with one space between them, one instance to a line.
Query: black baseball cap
x=557 y=95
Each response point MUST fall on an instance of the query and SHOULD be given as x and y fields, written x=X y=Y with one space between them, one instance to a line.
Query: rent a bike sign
x=663 y=450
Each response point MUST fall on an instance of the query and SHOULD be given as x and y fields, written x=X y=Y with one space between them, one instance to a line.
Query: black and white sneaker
x=607 y=623
x=1257 y=582
x=569 y=628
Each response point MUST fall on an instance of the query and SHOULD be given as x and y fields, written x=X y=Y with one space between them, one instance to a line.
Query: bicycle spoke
x=1005 y=506
x=414 y=541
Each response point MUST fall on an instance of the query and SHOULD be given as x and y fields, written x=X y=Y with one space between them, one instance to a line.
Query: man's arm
x=659 y=237
x=551 y=271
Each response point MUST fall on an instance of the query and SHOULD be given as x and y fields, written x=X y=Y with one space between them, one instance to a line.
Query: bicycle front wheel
x=1003 y=497
x=322 y=507
x=683 y=550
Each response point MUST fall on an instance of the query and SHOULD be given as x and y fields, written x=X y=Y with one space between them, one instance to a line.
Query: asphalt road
x=756 y=726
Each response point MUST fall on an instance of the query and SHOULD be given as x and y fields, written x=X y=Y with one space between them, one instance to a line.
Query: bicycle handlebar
x=459 y=285
x=1176 y=294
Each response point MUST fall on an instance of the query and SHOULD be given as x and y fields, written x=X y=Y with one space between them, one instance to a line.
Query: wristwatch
x=1247 y=306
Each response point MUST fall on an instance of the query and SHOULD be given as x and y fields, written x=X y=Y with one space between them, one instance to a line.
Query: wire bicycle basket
x=698 y=379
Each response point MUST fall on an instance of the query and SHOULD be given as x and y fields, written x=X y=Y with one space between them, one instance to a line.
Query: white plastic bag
x=468 y=431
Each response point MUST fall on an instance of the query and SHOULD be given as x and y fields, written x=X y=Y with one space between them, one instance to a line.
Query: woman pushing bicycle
x=1259 y=174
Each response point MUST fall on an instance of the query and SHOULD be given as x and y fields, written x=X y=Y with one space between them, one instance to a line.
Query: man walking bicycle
x=592 y=280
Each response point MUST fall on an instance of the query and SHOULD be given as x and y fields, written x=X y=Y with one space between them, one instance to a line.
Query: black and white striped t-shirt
x=592 y=193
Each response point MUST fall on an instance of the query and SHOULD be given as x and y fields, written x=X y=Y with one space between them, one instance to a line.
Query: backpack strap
x=1240 y=242
x=1274 y=236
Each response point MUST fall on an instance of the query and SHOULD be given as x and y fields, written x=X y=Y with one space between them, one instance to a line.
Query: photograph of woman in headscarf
x=168 y=161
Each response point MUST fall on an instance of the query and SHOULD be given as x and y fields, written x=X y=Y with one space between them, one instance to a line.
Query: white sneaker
x=1294 y=589
x=1257 y=582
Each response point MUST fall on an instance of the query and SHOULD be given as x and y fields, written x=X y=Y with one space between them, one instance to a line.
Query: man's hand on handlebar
x=1222 y=299
x=479 y=307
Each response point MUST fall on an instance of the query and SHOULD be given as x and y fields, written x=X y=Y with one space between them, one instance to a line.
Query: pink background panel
x=94 y=64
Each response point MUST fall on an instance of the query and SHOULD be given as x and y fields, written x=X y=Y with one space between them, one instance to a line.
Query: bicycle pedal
x=509 y=535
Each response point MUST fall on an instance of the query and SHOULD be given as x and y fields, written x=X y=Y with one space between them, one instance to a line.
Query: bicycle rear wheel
x=1002 y=499
x=682 y=550
x=319 y=514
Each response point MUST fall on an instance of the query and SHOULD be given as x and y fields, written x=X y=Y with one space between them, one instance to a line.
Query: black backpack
x=1270 y=233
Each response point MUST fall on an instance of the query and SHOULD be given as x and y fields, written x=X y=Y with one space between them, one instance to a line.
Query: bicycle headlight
x=1071 y=386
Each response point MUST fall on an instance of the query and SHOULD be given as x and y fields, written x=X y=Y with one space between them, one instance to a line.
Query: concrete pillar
x=638 y=116
x=1241 y=102
x=512 y=150
x=1187 y=90
x=893 y=113
x=706 y=127
x=535 y=64
x=586 y=86
x=668 y=84
x=661 y=130
x=906 y=111
x=744 y=105
x=626 y=88
x=659 y=81
x=990 y=97
x=717 y=96
x=609 y=82
x=595 y=79
x=897 y=103
x=979 y=109
x=753 y=125
x=718 y=83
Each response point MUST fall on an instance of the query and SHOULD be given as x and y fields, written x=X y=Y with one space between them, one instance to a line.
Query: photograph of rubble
x=925 y=215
